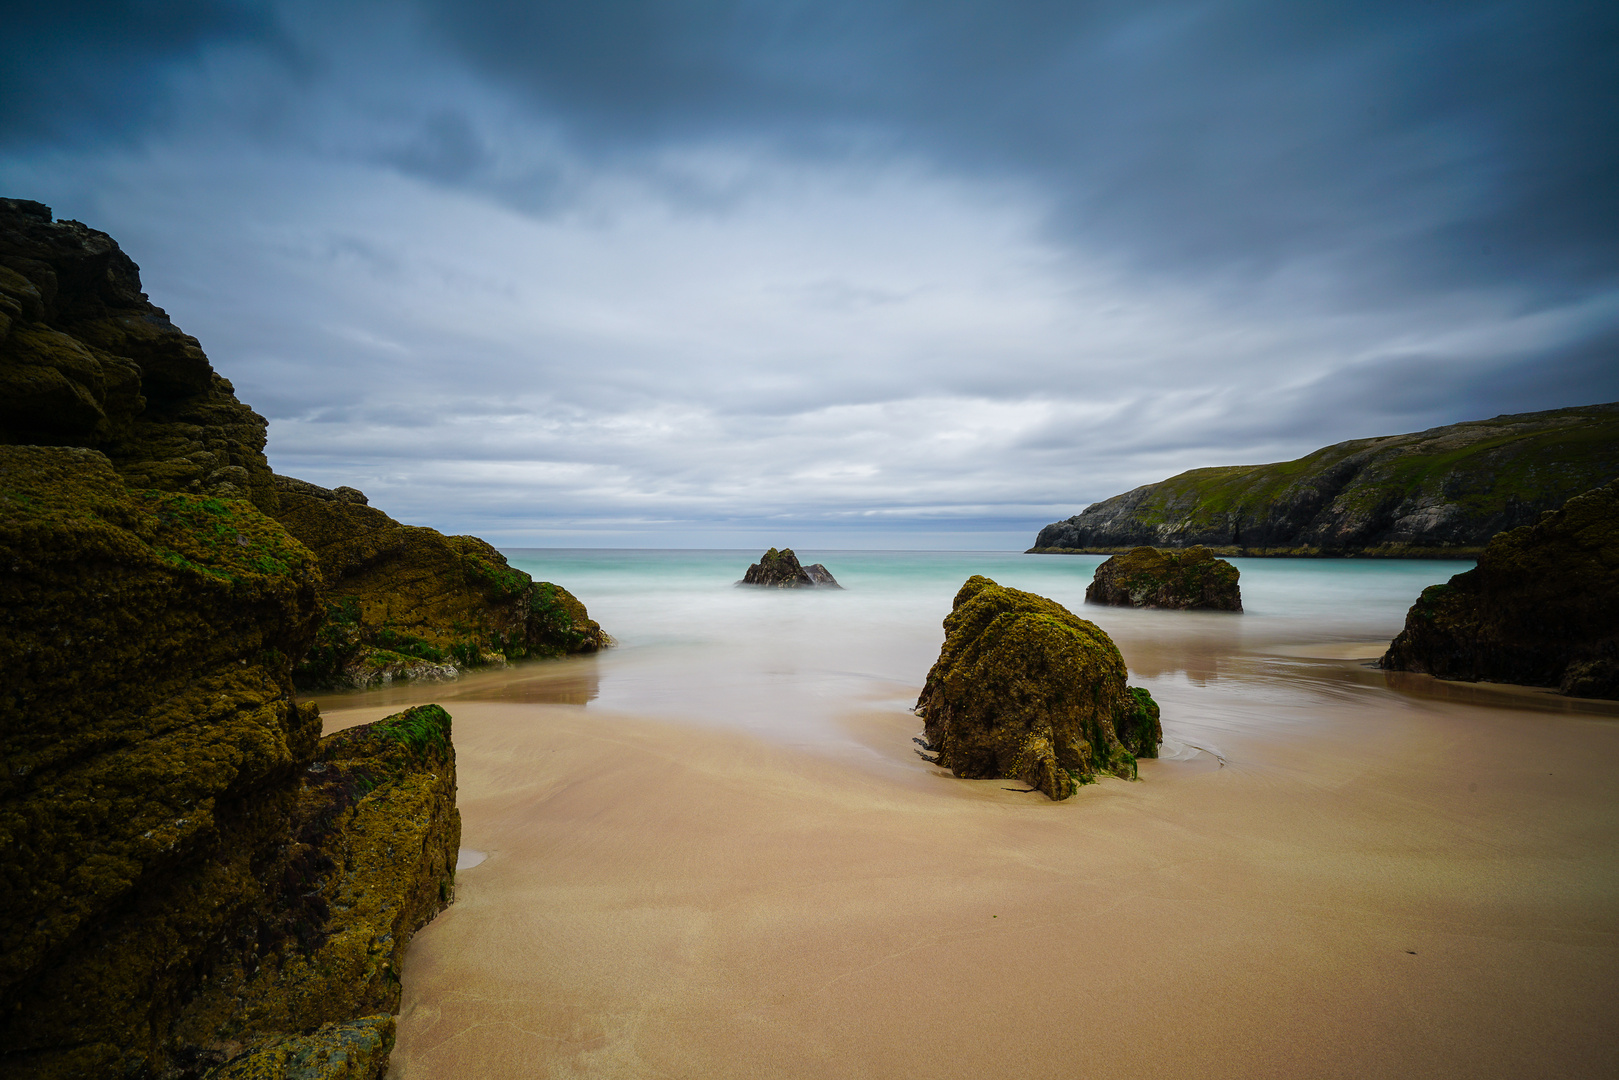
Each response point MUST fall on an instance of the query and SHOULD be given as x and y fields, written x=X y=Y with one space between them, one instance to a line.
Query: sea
x=792 y=665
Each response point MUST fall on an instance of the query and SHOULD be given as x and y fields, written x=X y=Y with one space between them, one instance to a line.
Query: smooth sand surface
x=1381 y=885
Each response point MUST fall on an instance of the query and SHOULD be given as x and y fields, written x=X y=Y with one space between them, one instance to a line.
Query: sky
x=845 y=274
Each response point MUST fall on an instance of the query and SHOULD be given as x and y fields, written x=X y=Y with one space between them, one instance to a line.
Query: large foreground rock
x=407 y=602
x=781 y=570
x=1025 y=689
x=1150 y=578
x=1541 y=608
x=1438 y=493
x=184 y=866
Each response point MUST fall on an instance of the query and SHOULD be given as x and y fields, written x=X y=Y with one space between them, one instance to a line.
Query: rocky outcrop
x=1149 y=578
x=1437 y=493
x=1541 y=608
x=87 y=360
x=780 y=570
x=184 y=865
x=407 y=602
x=1024 y=689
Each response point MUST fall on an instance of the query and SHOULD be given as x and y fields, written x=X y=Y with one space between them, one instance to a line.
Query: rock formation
x=405 y=602
x=87 y=360
x=1541 y=608
x=1438 y=493
x=191 y=879
x=1149 y=578
x=780 y=570
x=186 y=868
x=1024 y=689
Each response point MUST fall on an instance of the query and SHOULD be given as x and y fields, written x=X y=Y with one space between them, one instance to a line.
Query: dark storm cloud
x=1414 y=146
x=79 y=71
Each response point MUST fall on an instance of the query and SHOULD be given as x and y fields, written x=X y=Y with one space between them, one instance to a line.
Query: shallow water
x=787 y=664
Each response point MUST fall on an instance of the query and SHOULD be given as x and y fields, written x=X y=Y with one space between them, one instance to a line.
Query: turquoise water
x=789 y=663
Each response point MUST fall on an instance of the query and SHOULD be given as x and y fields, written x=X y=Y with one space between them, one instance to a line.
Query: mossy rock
x=355 y=1050
x=1149 y=578
x=151 y=746
x=1025 y=689
x=409 y=602
x=1541 y=608
x=375 y=837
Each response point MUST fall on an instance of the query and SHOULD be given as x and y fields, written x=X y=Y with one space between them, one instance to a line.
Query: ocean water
x=791 y=664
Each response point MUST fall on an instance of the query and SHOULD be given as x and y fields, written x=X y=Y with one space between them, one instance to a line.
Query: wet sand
x=1374 y=883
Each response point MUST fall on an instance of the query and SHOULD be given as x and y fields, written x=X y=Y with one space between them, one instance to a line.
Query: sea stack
x=1541 y=608
x=1025 y=689
x=1184 y=580
x=781 y=570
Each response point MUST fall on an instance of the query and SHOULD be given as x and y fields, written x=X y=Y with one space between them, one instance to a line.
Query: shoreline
x=666 y=898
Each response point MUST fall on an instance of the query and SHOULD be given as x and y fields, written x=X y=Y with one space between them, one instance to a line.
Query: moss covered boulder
x=1150 y=578
x=151 y=747
x=1024 y=689
x=87 y=360
x=1541 y=608
x=782 y=570
x=186 y=868
x=371 y=860
x=407 y=602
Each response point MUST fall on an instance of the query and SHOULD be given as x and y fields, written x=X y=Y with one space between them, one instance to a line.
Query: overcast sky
x=853 y=273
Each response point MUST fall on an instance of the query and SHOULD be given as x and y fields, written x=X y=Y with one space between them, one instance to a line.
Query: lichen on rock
x=1149 y=578
x=781 y=570
x=1541 y=608
x=1025 y=689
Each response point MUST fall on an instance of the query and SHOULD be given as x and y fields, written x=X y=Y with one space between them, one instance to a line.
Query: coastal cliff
x=1541 y=608
x=1439 y=493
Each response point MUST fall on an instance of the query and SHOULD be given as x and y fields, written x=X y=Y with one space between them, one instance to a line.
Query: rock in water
x=780 y=570
x=1541 y=608
x=1025 y=689
x=1149 y=578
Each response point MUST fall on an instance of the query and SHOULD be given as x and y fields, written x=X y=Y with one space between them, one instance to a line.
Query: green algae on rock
x=1541 y=608
x=407 y=602
x=1440 y=493
x=87 y=360
x=1149 y=578
x=1025 y=689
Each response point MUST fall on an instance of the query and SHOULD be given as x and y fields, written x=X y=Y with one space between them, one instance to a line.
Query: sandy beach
x=1350 y=878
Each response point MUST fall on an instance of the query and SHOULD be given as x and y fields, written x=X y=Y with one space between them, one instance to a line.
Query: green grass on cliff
x=1540 y=457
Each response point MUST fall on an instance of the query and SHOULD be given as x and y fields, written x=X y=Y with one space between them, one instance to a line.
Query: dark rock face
x=1149 y=578
x=168 y=812
x=405 y=602
x=87 y=360
x=780 y=570
x=1024 y=689
x=1437 y=493
x=1541 y=608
